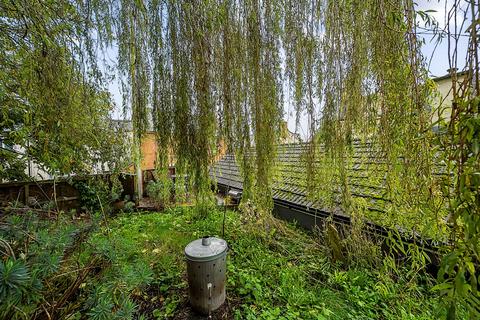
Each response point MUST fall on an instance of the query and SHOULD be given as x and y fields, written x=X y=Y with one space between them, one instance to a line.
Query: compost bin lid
x=205 y=249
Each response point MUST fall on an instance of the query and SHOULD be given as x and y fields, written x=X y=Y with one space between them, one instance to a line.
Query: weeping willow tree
x=375 y=91
x=214 y=71
x=217 y=78
x=219 y=70
x=134 y=66
x=264 y=90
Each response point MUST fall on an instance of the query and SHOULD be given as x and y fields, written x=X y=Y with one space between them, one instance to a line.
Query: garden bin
x=206 y=267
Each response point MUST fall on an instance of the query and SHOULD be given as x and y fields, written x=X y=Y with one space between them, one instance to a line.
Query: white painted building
x=442 y=105
x=33 y=170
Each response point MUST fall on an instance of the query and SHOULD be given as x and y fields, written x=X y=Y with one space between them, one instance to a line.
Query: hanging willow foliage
x=133 y=63
x=264 y=89
x=219 y=68
x=217 y=77
x=213 y=72
x=217 y=71
x=376 y=90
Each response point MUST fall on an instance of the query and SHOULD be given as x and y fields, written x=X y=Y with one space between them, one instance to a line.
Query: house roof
x=448 y=76
x=366 y=172
x=127 y=125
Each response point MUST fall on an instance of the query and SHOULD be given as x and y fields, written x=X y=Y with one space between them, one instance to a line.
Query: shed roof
x=290 y=178
x=366 y=171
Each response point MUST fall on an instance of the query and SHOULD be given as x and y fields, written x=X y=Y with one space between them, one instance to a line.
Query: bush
x=160 y=191
x=98 y=193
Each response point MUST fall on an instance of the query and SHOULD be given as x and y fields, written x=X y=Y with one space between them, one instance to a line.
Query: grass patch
x=133 y=267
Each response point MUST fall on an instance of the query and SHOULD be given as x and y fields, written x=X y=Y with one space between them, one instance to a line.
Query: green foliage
x=160 y=191
x=53 y=104
x=91 y=194
x=15 y=279
x=169 y=53
x=12 y=166
x=102 y=310
x=133 y=266
x=170 y=307
x=129 y=206
x=24 y=279
x=458 y=275
x=285 y=276
x=98 y=193
x=215 y=71
x=460 y=142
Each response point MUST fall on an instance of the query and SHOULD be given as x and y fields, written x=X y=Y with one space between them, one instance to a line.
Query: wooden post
x=26 y=193
x=139 y=182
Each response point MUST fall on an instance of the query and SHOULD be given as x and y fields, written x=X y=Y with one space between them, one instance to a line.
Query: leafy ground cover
x=132 y=267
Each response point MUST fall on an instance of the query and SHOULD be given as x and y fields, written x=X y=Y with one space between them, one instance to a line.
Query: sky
x=436 y=55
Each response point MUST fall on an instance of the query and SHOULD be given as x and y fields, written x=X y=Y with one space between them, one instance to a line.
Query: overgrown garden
x=132 y=268
x=205 y=74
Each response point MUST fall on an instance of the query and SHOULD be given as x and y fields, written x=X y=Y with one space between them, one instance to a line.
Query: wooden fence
x=61 y=192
